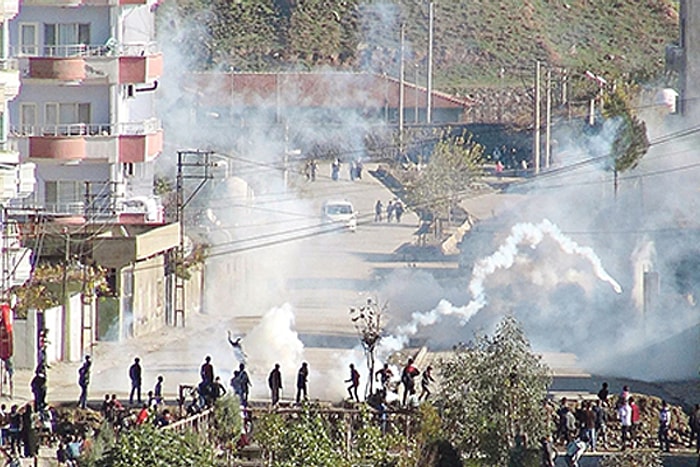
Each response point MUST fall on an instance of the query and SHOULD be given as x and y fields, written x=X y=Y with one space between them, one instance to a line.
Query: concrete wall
x=149 y=295
x=25 y=335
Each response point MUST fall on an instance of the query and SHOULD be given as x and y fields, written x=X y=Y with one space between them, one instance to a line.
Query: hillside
x=480 y=43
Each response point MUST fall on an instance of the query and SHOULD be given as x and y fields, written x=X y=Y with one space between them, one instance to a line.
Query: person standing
x=158 y=390
x=389 y=211
x=695 y=427
x=302 y=380
x=274 y=381
x=603 y=394
x=30 y=438
x=314 y=169
x=636 y=422
x=244 y=382
x=664 y=427
x=398 y=211
x=38 y=386
x=135 y=376
x=84 y=381
x=601 y=422
x=624 y=413
x=589 y=421
x=378 y=209
x=354 y=383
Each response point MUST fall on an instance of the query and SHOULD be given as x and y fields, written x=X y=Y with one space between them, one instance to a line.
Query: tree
x=298 y=442
x=368 y=322
x=148 y=446
x=454 y=166
x=491 y=392
x=632 y=459
x=631 y=142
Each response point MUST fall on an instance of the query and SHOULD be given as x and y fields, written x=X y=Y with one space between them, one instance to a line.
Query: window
x=27 y=116
x=64 y=196
x=65 y=39
x=28 y=40
x=66 y=117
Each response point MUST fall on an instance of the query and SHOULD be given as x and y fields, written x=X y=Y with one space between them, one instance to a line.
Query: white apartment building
x=85 y=113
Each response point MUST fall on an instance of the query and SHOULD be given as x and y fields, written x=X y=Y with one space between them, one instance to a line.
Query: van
x=341 y=213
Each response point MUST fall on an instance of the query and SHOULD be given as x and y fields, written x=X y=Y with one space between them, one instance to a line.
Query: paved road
x=319 y=276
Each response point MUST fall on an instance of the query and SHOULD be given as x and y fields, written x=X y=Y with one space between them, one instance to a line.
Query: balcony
x=10 y=8
x=76 y=3
x=111 y=62
x=9 y=79
x=73 y=143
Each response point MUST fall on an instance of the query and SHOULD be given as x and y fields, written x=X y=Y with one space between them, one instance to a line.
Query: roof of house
x=317 y=90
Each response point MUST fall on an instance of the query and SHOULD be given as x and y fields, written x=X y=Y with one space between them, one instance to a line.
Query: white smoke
x=503 y=258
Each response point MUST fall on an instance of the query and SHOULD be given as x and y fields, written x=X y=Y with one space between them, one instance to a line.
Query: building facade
x=85 y=111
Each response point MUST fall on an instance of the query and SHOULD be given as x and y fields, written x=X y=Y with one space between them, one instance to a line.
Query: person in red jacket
x=636 y=421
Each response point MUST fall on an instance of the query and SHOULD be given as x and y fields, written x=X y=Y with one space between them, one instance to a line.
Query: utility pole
x=538 y=98
x=429 y=105
x=402 y=93
x=191 y=165
x=415 y=94
x=548 y=122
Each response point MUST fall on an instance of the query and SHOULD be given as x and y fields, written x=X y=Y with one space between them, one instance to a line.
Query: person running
x=384 y=375
x=302 y=381
x=574 y=451
x=354 y=383
x=426 y=379
x=274 y=381
x=407 y=379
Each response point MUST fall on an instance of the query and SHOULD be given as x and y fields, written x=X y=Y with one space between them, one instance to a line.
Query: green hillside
x=477 y=42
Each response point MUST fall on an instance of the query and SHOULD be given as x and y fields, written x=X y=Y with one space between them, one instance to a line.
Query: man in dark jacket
x=274 y=381
x=135 y=376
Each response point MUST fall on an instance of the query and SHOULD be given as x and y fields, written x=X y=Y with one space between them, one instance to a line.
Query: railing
x=109 y=49
x=9 y=64
x=198 y=423
x=88 y=129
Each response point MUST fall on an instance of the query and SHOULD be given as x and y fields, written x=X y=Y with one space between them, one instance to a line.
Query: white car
x=341 y=213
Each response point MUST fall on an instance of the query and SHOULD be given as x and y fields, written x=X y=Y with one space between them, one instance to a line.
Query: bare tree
x=368 y=322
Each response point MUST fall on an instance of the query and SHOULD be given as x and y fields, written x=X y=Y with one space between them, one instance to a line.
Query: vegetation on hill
x=480 y=43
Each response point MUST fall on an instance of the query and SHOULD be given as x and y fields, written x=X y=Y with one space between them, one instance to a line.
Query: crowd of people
x=585 y=426
x=394 y=211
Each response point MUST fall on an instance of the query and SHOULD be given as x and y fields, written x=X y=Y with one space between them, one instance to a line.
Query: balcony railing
x=111 y=48
x=88 y=129
x=9 y=64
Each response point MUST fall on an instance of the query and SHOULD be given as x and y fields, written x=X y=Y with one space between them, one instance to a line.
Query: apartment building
x=85 y=112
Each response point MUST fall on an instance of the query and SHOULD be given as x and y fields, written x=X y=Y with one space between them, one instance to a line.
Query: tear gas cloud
x=577 y=288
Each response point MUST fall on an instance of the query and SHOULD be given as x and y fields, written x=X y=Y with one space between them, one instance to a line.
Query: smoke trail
x=503 y=258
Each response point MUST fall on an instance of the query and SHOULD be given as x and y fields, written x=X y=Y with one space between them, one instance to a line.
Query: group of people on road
x=355 y=168
x=394 y=210
x=585 y=426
